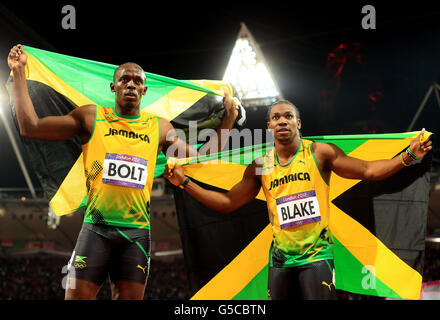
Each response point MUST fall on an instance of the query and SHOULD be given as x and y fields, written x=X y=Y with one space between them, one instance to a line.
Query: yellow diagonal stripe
x=180 y=99
x=370 y=150
x=240 y=271
x=174 y=103
x=36 y=71
x=218 y=86
x=72 y=191
x=231 y=174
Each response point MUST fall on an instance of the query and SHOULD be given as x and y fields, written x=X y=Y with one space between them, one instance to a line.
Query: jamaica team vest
x=297 y=199
x=119 y=162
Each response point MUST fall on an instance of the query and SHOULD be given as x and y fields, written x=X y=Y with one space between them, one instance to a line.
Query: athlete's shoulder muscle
x=85 y=117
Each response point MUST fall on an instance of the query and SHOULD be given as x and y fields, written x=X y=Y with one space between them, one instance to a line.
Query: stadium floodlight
x=248 y=73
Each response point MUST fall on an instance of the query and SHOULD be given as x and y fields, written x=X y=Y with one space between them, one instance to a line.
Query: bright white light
x=433 y=239
x=248 y=74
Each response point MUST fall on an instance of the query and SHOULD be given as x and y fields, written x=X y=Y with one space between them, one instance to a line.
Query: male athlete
x=120 y=147
x=296 y=174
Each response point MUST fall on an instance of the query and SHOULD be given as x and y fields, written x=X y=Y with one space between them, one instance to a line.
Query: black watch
x=184 y=183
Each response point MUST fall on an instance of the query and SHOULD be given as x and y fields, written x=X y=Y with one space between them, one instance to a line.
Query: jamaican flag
x=378 y=228
x=59 y=83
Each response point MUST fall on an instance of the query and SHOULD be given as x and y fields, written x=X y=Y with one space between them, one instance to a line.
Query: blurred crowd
x=30 y=278
x=41 y=277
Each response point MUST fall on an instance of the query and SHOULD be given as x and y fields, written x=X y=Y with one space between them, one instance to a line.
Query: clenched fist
x=17 y=58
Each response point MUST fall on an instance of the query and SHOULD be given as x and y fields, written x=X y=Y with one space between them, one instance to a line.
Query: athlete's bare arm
x=332 y=158
x=56 y=128
x=239 y=195
x=172 y=146
x=170 y=143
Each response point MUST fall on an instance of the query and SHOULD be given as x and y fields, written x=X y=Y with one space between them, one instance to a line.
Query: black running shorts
x=312 y=281
x=101 y=251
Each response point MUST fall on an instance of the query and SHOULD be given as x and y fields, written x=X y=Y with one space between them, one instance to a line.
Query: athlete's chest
x=112 y=132
x=292 y=193
x=297 y=175
x=126 y=150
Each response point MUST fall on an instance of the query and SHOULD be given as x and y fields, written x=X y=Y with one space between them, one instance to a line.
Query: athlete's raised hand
x=420 y=145
x=174 y=173
x=17 y=57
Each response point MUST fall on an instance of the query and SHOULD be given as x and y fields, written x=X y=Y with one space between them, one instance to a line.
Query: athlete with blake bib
x=295 y=177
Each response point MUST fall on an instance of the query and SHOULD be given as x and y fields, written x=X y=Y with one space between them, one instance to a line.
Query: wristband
x=403 y=161
x=411 y=154
x=184 y=183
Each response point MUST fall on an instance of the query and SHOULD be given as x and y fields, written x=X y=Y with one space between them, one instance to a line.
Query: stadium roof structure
x=249 y=73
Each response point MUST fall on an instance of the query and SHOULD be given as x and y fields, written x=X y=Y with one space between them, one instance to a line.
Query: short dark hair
x=125 y=64
x=297 y=114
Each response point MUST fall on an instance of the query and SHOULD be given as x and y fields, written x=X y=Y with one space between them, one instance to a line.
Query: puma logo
x=142 y=268
x=328 y=285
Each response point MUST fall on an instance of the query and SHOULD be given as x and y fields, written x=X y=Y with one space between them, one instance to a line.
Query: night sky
x=382 y=83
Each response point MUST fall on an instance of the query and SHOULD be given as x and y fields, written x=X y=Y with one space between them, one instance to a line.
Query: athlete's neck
x=129 y=111
x=285 y=151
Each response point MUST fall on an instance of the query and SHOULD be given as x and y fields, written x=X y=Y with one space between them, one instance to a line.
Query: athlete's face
x=129 y=86
x=283 y=123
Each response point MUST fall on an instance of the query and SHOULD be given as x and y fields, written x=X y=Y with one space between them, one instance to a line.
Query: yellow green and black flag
x=378 y=228
x=59 y=83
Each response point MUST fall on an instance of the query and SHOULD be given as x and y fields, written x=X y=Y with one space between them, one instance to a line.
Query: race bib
x=298 y=209
x=124 y=170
